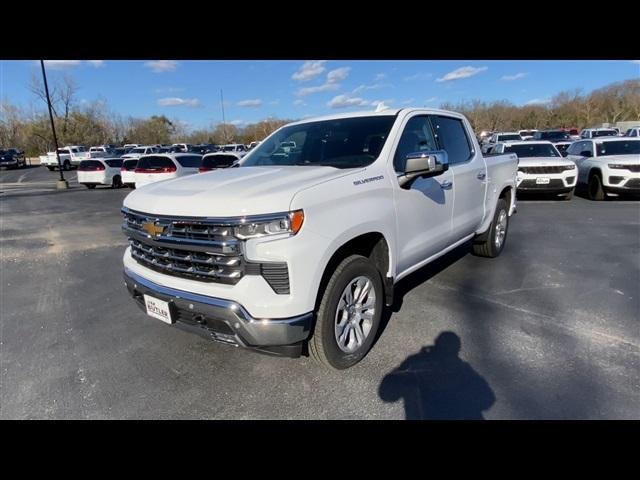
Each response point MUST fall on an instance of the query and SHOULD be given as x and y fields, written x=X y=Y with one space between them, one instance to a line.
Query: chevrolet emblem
x=153 y=229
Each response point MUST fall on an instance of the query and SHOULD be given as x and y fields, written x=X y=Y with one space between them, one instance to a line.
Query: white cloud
x=236 y=122
x=253 y=103
x=177 y=101
x=309 y=70
x=299 y=103
x=342 y=101
x=635 y=61
x=380 y=77
x=159 y=66
x=337 y=75
x=374 y=86
x=326 y=87
x=418 y=76
x=510 y=78
x=96 y=63
x=332 y=82
x=60 y=64
x=431 y=100
x=460 y=73
x=538 y=101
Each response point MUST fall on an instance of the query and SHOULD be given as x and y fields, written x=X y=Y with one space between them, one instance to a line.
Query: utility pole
x=224 y=126
x=62 y=183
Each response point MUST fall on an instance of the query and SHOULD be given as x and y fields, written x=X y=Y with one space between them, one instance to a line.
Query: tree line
x=94 y=123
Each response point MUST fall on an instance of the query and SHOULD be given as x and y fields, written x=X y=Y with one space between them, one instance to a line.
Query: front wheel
x=596 y=191
x=349 y=315
x=491 y=243
x=51 y=169
x=90 y=186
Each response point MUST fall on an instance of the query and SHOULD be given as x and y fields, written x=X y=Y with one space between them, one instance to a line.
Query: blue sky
x=189 y=91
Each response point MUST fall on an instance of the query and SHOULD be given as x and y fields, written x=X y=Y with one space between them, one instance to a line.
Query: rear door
x=469 y=174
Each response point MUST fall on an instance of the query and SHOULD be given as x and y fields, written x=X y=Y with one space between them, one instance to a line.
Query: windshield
x=341 y=143
x=229 y=148
x=632 y=147
x=532 y=150
x=604 y=133
x=504 y=138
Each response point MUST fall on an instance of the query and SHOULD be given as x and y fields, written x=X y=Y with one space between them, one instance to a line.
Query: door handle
x=447 y=184
x=481 y=176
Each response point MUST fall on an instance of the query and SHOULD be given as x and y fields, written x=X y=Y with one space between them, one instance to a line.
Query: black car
x=552 y=136
x=12 y=158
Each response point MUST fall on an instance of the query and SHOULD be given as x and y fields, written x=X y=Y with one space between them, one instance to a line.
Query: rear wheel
x=51 y=169
x=90 y=186
x=349 y=314
x=66 y=165
x=596 y=191
x=491 y=243
x=116 y=182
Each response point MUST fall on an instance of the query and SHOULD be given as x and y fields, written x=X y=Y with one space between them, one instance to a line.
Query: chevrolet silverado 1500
x=298 y=249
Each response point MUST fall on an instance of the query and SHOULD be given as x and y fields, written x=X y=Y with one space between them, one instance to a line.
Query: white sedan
x=100 y=171
x=158 y=167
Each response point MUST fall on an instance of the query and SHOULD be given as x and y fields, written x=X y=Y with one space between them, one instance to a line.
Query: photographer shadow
x=436 y=384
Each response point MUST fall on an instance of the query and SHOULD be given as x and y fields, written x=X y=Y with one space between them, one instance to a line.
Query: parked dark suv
x=12 y=158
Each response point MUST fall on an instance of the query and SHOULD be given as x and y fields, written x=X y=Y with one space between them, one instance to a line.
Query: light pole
x=62 y=183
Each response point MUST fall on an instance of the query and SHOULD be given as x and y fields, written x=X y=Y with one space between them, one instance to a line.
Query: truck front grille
x=200 y=249
x=549 y=169
x=633 y=168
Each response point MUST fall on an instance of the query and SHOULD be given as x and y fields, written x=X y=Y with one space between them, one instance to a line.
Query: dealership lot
x=550 y=329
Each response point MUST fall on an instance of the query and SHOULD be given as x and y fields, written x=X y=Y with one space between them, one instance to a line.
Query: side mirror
x=423 y=164
x=585 y=153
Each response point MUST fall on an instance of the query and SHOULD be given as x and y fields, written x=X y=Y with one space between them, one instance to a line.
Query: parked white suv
x=632 y=132
x=137 y=152
x=609 y=165
x=500 y=137
x=100 y=171
x=163 y=166
x=527 y=134
x=128 y=172
x=598 y=132
x=541 y=168
x=237 y=148
x=305 y=246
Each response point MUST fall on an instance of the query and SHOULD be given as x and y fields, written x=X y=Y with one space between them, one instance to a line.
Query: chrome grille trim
x=549 y=169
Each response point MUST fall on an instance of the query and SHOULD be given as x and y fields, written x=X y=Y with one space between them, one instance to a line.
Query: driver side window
x=416 y=137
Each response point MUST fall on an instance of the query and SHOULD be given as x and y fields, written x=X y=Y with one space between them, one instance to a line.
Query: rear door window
x=155 y=162
x=116 y=163
x=190 y=161
x=218 y=161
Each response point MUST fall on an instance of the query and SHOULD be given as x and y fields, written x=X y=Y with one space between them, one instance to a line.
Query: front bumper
x=225 y=320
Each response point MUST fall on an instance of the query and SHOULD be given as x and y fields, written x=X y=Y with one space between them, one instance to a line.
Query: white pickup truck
x=301 y=249
x=71 y=155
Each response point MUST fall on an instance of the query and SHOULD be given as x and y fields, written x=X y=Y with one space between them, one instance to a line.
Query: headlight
x=617 y=166
x=569 y=167
x=290 y=223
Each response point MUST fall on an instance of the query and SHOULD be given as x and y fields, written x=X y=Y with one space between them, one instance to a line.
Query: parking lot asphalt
x=548 y=330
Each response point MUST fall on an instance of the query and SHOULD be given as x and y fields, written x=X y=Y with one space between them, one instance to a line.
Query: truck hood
x=230 y=192
x=543 y=161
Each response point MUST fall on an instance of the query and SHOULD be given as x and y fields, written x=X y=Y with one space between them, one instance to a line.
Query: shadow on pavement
x=436 y=384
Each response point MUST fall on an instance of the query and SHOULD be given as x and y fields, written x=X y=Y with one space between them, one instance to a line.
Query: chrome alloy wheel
x=501 y=228
x=354 y=314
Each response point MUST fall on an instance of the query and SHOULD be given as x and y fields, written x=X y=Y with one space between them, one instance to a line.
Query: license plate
x=542 y=181
x=158 y=309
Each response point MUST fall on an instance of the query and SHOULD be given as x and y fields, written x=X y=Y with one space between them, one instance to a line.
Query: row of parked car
x=72 y=155
x=557 y=161
x=149 y=168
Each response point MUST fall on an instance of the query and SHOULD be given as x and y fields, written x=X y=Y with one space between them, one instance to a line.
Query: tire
x=323 y=345
x=66 y=166
x=51 y=169
x=569 y=195
x=90 y=187
x=116 y=182
x=595 y=189
x=486 y=244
